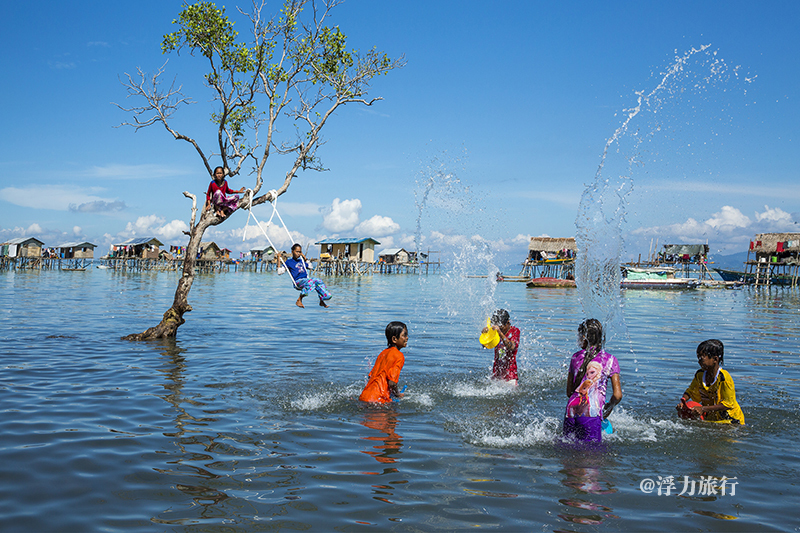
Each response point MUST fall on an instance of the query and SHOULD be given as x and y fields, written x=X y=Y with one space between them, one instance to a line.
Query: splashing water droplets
x=602 y=210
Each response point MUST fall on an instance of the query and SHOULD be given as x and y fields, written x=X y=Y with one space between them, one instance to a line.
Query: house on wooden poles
x=26 y=247
x=267 y=254
x=136 y=248
x=396 y=260
x=688 y=260
x=347 y=256
x=393 y=256
x=75 y=255
x=262 y=259
x=22 y=252
x=773 y=259
x=348 y=249
x=550 y=257
x=210 y=251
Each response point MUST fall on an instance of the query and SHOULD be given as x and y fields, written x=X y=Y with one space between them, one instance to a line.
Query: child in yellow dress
x=712 y=387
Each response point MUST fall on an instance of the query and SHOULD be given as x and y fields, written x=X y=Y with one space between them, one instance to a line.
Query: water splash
x=602 y=210
x=439 y=189
x=447 y=205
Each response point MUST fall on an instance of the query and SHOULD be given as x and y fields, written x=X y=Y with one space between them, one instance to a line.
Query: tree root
x=167 y=328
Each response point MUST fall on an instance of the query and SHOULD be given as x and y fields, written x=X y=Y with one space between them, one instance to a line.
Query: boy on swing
x=298 y=269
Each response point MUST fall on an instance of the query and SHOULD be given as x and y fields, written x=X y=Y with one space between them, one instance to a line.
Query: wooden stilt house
x=550 y=257
x=24 y=247
x=775 y=259
x=348 y=249
x=137 y=248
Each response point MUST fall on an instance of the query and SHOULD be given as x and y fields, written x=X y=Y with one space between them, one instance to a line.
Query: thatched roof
x=205 y=246
x=552 y=244
x=769 y=242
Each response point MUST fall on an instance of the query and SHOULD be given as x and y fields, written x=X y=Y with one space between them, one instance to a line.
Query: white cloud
x=409 y=242
x=49 y=237
x=153 y=225
x=522 y=239
x=377 y=227
x=342 y=215
x=77 y=231
x=776 y=216
x=728 y=218
x=255 y=236
x=55 y=197
x=388 y=242
x=726 y=229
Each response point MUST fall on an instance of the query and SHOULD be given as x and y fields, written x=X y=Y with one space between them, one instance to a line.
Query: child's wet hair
x=591 y=331
x=711 y=348
x=297 y=245
x=393 y=330
x=500 y=317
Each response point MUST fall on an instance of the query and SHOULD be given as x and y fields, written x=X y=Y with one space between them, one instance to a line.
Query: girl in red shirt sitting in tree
x=221 y=196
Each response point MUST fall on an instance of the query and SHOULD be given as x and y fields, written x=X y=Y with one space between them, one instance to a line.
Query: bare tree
x=292 y=69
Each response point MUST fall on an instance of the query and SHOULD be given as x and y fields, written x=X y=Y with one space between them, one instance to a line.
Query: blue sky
x=504 y=108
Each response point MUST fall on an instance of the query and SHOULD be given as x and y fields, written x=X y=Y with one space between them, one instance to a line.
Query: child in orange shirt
x=382 y=384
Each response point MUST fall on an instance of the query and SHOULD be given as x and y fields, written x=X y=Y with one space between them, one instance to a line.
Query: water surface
x=249 y=420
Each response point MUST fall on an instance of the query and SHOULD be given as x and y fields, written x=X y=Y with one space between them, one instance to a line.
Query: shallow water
x=249 y=421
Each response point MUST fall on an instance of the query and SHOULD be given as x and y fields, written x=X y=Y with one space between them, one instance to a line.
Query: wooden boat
x=733 y=275
x=551 y=282
x=654 y=278
x=749 y=278
x=519 y=279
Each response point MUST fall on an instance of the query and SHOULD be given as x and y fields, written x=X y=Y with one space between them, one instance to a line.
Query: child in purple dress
x=589 y=370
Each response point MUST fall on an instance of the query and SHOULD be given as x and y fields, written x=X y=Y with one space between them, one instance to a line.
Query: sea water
x=249 y=420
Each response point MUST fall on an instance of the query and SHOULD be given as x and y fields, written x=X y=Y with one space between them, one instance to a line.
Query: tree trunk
x=173 y=318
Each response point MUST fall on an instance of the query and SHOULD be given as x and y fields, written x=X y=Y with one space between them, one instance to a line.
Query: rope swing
x=274 y=203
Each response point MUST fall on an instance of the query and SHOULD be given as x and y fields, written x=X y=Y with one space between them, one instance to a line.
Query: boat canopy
x=686 y=249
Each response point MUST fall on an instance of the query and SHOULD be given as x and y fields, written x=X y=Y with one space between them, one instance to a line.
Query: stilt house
x=76 y=250
x=551 y=257
x=776 y=259
x=548 y=248
x=263 y=254
x=28 y=247
x=209 y=251
x=393 y=256
x=349 y=249
x=137 y=248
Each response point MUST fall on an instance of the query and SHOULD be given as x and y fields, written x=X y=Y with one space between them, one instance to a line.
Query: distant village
x=772 y=259
x=336 y=256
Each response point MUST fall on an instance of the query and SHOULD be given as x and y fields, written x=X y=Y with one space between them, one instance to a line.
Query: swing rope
x=274 y=203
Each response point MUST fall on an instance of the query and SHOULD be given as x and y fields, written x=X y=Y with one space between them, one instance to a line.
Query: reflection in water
x=584 y=471
x=385 y=421
x=202 y=495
